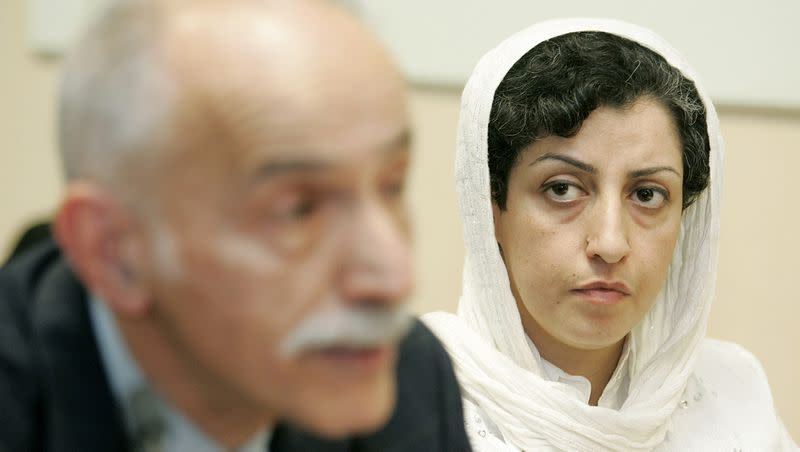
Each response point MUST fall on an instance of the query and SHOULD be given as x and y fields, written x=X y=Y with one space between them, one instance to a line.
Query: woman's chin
x=592 y=339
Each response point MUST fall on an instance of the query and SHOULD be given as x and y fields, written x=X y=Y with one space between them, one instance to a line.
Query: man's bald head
x=146 y=62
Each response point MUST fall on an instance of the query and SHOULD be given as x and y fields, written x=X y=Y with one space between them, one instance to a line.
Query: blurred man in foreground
x=233 y=256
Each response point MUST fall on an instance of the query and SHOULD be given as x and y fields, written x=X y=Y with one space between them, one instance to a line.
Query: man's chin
x=364 y=412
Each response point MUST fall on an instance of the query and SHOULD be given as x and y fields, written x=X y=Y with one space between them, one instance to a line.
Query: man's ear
x=103 y=243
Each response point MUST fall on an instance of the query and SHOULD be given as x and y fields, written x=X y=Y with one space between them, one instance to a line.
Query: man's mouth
x=366 y=359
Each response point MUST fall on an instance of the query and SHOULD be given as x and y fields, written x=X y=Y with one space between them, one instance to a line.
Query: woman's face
x=590 y=225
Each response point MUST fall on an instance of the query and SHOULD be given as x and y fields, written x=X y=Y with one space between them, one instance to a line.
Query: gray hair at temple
x=115 y=97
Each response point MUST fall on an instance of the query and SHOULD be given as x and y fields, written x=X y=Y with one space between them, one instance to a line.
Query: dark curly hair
x=554 y=87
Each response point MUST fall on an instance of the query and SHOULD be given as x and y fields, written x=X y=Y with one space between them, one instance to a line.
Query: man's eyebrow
x=585 y=167
x=648 y=171
x=313 y=165
x=294 y=166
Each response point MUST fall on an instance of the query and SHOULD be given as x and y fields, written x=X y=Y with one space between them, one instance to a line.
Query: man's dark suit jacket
x=54 y=394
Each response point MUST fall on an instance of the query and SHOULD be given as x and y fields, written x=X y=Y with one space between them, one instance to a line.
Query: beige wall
x=756 y=302
x=29 y=178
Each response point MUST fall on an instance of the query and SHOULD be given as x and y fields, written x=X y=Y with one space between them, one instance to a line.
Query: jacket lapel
x=80 y=411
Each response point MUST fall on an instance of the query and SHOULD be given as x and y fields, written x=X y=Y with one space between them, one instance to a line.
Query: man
x=232 y=252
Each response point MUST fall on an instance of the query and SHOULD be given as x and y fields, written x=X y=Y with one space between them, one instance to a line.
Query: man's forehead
x=283 y=34
x=259 y=82
x=253 y=71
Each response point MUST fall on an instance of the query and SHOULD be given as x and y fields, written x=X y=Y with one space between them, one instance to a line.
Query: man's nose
x=377 y=264
x=607 y=232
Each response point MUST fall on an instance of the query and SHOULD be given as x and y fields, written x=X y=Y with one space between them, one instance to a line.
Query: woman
x=589 y=176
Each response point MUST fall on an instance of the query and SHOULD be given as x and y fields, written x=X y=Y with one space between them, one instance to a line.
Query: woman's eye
x=563 y=192
x=649 y=197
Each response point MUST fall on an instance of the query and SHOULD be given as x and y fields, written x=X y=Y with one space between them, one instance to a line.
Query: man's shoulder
x=20 y=281
x=424 y=371
x=421 y=346
x=23 y=275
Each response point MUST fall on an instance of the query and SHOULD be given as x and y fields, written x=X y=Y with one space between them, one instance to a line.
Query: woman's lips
x=603 y=292
x=601 y=296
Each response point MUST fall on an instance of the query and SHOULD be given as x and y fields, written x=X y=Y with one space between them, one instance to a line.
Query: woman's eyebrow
x=583 y=166
x=648 y=171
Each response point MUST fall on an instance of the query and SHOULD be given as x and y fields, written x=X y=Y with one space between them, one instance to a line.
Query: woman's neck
x=596 y=365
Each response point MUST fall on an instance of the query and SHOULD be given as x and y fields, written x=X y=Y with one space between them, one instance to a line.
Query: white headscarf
x=488 y=346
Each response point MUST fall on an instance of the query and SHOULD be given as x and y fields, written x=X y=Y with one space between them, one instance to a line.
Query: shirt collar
x=616 y=390
x=125 y=377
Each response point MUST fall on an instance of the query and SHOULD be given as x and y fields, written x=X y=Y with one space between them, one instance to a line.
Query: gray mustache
x=347 y=326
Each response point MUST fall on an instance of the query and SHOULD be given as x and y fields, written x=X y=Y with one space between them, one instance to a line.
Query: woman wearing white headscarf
x=589 y=173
